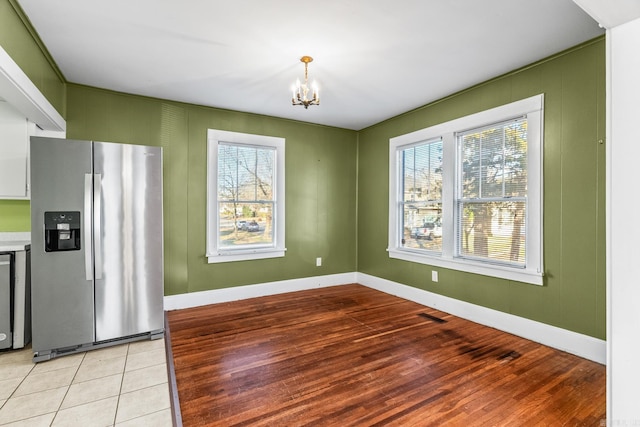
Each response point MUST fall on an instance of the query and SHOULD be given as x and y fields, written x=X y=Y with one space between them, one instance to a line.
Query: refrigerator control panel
x=61 y=231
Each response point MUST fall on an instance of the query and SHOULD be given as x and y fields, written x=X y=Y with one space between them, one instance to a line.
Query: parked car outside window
x=428 y=230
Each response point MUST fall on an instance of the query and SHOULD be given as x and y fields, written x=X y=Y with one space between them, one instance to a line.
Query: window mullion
x=413 y=171
x=504 y=159
x=429 y=195
x=237 y=183
x=480 y=180
x=449 y=181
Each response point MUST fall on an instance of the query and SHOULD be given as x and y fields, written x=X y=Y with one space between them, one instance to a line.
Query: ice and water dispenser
x=61 y=231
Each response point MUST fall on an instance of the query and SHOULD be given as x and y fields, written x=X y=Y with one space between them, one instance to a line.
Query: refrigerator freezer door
x=61 y=295
x=128 y=239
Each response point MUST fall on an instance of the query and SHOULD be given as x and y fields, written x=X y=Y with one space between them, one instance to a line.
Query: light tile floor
x=124 y=385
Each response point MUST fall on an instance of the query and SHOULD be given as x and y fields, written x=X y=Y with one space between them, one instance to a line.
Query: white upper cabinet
x=14 y=153
x=24 y=111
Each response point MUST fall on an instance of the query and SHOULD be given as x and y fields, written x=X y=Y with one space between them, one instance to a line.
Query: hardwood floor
x=350 y=355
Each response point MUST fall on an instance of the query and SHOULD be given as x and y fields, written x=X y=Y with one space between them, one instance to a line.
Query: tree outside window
x=492 y=192
x=245 y=196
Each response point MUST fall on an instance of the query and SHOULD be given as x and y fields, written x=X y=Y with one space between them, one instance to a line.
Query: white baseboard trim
x=195 y=299
x=572 y=342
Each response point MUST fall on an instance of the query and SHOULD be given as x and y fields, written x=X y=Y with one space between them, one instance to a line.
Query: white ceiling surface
x=373 y=59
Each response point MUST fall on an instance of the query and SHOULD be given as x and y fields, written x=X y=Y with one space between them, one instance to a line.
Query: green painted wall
x=573 y=295
x=15 y=215
x=320 y=184
x=334 y=175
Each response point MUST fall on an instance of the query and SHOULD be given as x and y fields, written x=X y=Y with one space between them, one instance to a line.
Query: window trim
x=215 y=254
x=533 y=108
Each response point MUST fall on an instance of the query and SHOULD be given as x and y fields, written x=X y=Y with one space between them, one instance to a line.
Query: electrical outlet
x=434 y=276
x=319 y=262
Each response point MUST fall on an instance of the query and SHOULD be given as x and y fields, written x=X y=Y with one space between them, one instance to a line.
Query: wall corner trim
x=571 y=342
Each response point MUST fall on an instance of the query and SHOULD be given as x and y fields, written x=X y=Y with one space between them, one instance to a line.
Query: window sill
x=516 y=274
x=245 y=255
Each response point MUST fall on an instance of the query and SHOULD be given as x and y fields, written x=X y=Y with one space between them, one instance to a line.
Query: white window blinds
x=491 y=196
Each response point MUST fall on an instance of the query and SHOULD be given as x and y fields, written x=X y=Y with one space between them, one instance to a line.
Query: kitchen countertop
x=14 y=241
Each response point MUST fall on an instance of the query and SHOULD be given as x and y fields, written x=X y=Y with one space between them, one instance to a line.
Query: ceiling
x=373 y=59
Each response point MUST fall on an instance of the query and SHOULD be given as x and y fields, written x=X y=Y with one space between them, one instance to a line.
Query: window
x=467 y=194
x=491 y=193
x=421 y=203
x=245 y=196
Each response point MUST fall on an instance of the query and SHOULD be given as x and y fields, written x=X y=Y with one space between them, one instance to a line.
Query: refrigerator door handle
x=97 y=220
x=88 y=268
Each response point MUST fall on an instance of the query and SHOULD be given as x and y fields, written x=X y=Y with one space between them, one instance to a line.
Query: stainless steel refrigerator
x=96 y=245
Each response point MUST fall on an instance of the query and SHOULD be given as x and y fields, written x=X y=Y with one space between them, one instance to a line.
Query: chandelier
x=301 y=90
